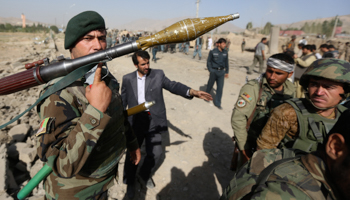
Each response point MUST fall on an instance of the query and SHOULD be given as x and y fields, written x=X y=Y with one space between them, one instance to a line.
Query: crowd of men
x=286 y=147
x=287 y=135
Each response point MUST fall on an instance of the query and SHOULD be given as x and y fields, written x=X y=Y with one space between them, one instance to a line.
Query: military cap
x=80 y=25
x=329 y=68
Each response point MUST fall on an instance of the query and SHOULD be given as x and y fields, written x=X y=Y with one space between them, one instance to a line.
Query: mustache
x=317 y=96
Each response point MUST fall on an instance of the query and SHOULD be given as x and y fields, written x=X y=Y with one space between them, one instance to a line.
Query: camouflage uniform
x=302 y=177
x=245 y=105
x=287 y=124
x=290 y=122
x=81 y=144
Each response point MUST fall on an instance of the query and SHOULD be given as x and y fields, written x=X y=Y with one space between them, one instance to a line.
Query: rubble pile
x=18 y=157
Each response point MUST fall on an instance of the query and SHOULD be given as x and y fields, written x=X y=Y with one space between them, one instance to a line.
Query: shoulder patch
x=246 y=97
x=45 y=126
x=241 y=103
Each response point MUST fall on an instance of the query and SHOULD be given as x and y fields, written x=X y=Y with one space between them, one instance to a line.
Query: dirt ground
x=199 y=145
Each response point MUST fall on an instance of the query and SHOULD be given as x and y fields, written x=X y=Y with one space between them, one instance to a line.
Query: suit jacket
x=155 y=82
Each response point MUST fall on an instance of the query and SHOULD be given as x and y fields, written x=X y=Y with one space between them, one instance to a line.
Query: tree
x=267 y=28
x=8 y=27
x=306 y=28
x=249 y=26
x=54 y=29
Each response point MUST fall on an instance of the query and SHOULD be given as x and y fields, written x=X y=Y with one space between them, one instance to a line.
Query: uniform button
x=93 y=121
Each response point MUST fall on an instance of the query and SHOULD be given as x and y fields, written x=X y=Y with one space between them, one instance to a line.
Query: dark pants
x=218 y=77
x=154 y=52
x=154 y=151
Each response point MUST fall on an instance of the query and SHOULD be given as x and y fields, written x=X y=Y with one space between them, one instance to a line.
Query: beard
x=340 y=175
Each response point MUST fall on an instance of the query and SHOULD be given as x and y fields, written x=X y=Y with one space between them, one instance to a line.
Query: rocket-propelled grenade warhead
x=140 y=108
x=182 y=31
x=185 y=30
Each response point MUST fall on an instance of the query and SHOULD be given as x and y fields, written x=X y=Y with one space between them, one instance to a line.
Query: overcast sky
x=117 y=12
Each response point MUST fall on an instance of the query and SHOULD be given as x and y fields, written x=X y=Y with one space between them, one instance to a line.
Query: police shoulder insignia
x=246 y=97
x=45 y=126
x=241 y=103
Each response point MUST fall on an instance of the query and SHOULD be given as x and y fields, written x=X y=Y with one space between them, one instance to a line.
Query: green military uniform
x=246 y=103
x=302 y=177
x=313 y=128
x=297 y=124
x=81 y=144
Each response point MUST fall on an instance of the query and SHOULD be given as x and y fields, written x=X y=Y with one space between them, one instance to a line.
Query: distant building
x=291 y=32
x=338 y=30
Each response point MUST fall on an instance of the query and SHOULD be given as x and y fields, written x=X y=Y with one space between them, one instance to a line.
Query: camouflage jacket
x=304 y=177
x=81 y=144
x=244 y=107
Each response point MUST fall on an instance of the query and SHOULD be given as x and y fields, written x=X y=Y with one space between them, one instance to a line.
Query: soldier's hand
x=226 y=75
x=201 y=95
x=135 y=156
x=99 y=95
x=246 y=155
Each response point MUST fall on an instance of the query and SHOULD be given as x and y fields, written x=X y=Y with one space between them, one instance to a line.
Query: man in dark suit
x=146 y=84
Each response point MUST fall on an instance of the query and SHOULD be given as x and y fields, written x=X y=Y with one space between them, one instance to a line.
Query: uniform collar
x=288 y=87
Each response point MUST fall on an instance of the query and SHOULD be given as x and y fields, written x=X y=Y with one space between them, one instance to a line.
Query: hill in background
x=344 y=18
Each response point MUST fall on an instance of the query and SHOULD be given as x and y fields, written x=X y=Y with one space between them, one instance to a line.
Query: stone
x=37 y=197
x=5 y=196
x=23 y=60
x=36 y=168
x=3 y=167
x=15 y=148
x=19 y=132
x=27 y=154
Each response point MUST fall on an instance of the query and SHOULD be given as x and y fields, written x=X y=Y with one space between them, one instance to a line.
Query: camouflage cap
x=82 y=24
x=329 y=68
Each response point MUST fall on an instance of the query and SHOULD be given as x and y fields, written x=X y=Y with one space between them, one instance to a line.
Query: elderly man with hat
x=255 y=101
x=303 y=123
x=84 y=130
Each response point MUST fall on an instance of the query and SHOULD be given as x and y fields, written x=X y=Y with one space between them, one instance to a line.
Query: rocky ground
x=199 y=145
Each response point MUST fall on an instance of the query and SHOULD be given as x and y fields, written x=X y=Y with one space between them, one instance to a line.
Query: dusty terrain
x=199 y=146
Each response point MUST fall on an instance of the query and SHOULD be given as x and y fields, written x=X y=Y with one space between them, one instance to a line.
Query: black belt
x=220 y=68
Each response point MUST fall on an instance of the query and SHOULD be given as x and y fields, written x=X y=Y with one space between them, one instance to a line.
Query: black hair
x=313 y=47
x=331 y=46
x=308 y=47
x=221 y=40
x=289 y=53
x=284 y=57
x=143 y=54
x=301 y=44
x=324 y=46
x=262 y=39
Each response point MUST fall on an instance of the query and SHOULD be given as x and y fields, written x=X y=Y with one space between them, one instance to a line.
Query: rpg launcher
x=41 y=72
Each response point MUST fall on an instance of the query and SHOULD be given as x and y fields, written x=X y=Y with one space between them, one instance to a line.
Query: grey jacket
x=155 y=82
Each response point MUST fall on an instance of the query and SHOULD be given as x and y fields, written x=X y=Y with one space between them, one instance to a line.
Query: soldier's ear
x=290 y=74
x=336 y=148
